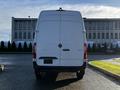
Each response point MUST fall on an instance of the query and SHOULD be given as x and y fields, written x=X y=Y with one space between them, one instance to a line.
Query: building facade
x=23 y=29
x=103 y=30
x=97 y=30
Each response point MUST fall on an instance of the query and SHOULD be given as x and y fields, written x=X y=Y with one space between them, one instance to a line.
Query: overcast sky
x=25 y=8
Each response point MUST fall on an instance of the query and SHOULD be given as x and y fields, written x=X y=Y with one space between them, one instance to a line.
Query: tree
x=9 y=46
x=19 y=47
x=30 y=47
x=117 y=47
x=25 y=47
x=2 y=48
x=94 y=47
x=105 y=46
x=111 y=46
x=89 y=48
x=13 y=47
x=98 y=47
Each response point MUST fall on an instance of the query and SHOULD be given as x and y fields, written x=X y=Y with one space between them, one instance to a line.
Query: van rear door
x=48 y=39
x=72 y=39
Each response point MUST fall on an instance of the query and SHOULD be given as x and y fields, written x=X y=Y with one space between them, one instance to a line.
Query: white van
x=60 y=43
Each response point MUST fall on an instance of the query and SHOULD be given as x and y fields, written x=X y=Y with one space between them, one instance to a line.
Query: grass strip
x=108 y=66
x=116 y=60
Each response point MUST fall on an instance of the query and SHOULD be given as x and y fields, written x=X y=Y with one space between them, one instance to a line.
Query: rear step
x=48 y=58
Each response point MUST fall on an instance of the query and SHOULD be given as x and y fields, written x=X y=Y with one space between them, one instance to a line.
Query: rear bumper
x=58 y=68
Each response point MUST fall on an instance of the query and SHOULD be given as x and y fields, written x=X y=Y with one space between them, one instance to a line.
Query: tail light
x=34 y=51
x=85 y=52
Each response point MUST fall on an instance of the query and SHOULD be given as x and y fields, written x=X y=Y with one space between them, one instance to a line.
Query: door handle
x=66 y=49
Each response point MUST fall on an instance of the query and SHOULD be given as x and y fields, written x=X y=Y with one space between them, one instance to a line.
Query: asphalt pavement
x=19 y=75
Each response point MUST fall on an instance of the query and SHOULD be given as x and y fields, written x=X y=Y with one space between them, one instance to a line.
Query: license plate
x=48 y=61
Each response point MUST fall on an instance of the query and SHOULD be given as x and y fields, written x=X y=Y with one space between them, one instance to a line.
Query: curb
x=15 y=52
x=105 y=72
x=2 y=68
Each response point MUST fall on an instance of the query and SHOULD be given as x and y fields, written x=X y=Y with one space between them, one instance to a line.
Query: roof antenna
x=28 y=16
x=60 y=9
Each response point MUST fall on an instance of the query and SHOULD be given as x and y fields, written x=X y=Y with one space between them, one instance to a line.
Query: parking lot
x=19 y=75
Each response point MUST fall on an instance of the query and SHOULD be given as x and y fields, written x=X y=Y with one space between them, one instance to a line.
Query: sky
x=32 y=8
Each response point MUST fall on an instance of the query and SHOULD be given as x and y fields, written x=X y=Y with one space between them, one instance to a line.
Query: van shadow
x=49 y=82
x=64 y=82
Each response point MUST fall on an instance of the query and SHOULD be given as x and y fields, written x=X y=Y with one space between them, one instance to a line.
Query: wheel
x=80 y=74
x=37 y=75
x=36 y=71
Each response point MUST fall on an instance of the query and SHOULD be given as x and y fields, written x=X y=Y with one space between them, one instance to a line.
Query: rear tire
x=37 y=75
x=36 y=71
x=80 y=74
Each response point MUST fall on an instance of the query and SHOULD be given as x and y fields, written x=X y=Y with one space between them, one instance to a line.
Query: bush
x=11 y=47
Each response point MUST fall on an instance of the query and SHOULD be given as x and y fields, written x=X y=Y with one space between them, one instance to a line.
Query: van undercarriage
x=58 y=68
x=80 y=70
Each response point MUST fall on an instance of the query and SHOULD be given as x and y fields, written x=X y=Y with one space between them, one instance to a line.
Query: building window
x=20 y=35
x=33 y=35
x=16 y=25
x=24 y=35
x=29 y=35
x=15 y=35
x=98 y=36
x=116 y=26
x=89 y=36
x=111 y=25
x=103 y=36
x=111 y=35
x=107 y=35
x=119 y=25
x=119 y=35
x=89 y=25
x=116 y=36
x=100 y=25
x=86 y=35
x=94 y=35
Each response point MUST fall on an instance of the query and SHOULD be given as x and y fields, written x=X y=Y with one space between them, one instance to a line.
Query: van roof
x=65 y=15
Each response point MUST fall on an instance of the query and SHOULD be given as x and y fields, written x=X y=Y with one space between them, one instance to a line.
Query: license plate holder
x=48 y=61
